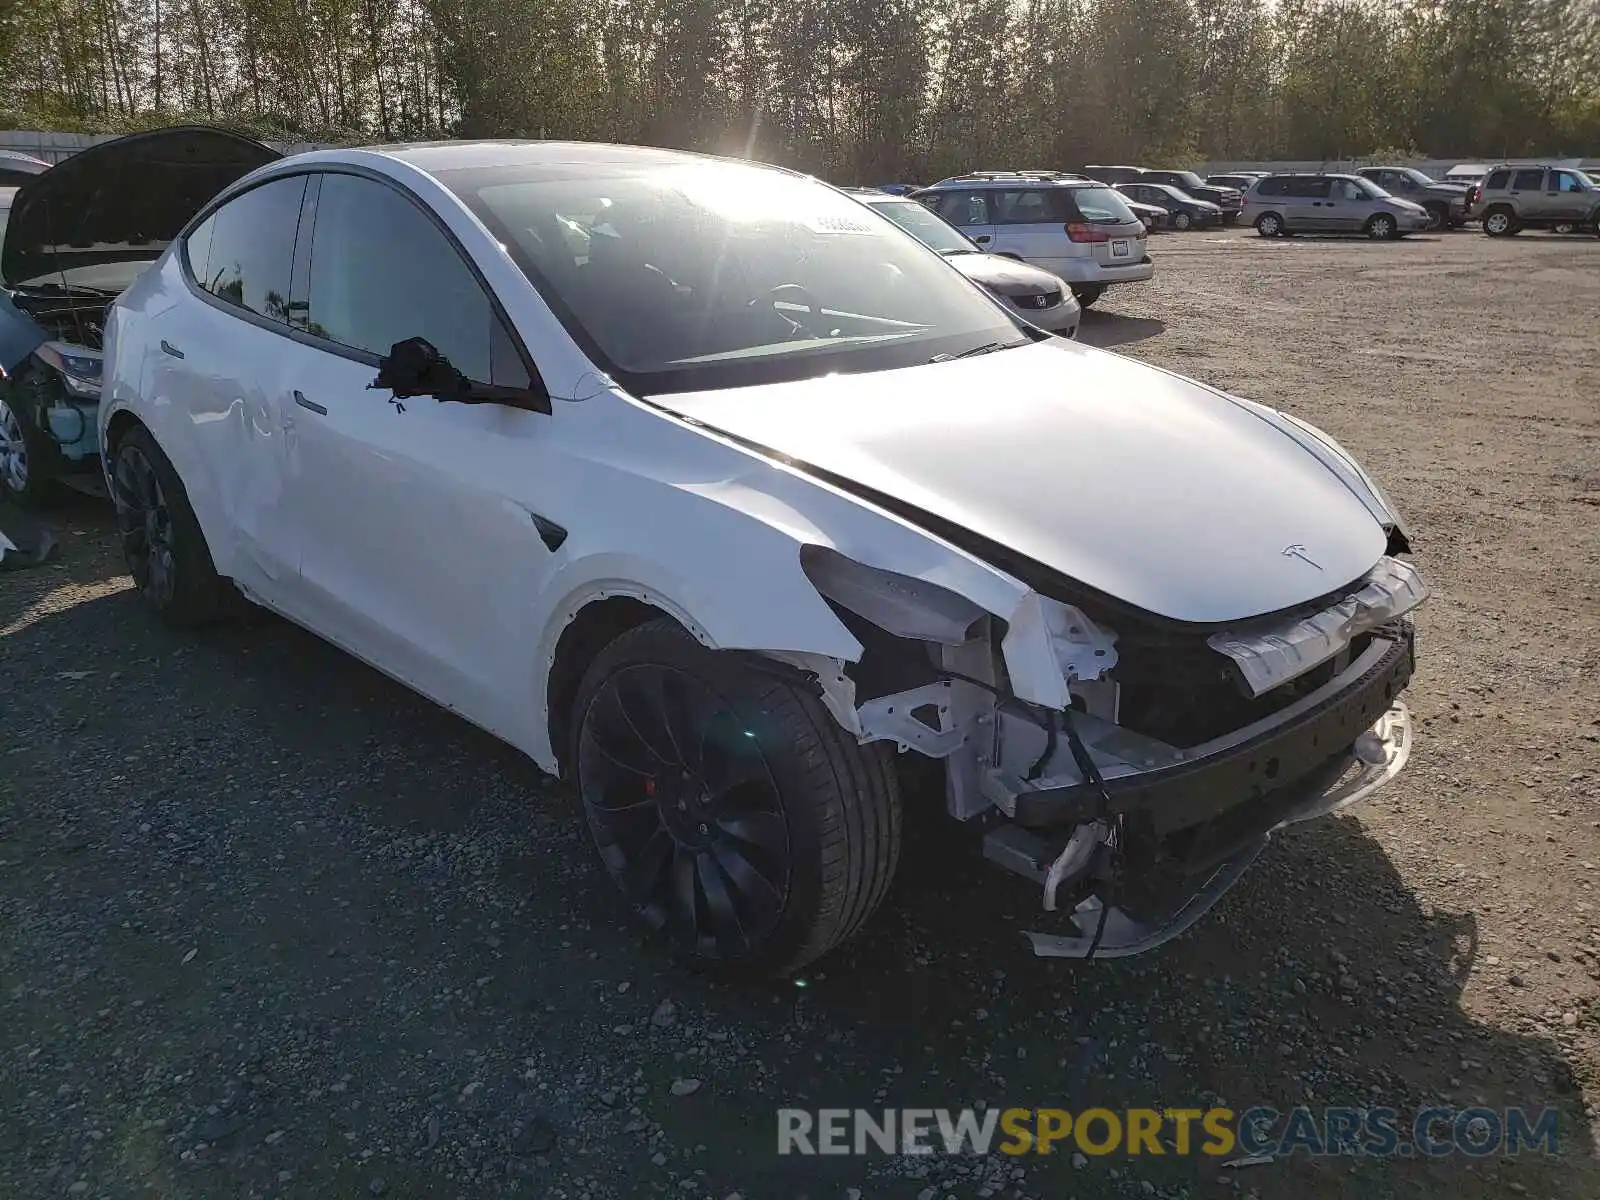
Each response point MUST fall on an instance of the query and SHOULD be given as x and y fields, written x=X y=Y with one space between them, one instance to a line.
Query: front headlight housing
x=80 y=368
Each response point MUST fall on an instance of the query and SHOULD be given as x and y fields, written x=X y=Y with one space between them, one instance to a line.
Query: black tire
x=1438 y=217
x=1269 y=224
x=1182 y=221
x=1499 y=222
x=1088 y=293
x=27 y=455
x=1382 y=227
x=162 y=543
x=1564 y=227
x=764 y=846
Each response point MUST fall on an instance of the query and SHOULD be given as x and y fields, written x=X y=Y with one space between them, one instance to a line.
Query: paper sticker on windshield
x=836 y=223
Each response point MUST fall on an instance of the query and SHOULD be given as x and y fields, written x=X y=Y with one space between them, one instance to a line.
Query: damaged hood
x=1140 y=484
x=120 y=201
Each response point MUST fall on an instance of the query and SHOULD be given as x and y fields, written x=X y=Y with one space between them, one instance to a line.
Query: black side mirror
x=415 y=367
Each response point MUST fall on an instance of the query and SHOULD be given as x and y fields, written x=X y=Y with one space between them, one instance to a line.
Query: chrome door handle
x=300 y=399
x=168 y=348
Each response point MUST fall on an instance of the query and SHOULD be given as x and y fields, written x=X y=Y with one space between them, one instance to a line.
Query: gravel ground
x=271 y=926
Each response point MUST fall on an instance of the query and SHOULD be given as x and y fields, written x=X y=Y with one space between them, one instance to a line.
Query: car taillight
x=1079 y=232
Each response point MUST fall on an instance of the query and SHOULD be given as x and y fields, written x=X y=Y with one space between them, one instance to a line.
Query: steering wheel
x=794 y=293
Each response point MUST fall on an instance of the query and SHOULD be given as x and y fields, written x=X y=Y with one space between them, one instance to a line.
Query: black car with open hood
x=78 y=234
x=120 y=201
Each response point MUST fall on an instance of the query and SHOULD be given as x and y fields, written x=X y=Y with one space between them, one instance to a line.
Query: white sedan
x=708 y=487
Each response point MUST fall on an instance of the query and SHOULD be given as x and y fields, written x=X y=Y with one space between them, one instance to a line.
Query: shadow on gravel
x=389 y=899
x=1107 y=329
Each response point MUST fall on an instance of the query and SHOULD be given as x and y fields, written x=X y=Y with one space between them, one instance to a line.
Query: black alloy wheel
x=683 y=805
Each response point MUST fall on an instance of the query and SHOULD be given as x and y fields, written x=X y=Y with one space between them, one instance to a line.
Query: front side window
x=1527 y=181
x=1566 y=181
x=963 y=208
x=249 y=248
x=382 y=271
x=1346 y=189
x=708 y=275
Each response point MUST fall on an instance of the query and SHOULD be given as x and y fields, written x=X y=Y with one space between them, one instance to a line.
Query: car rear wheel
x=1181 y=220
x=1269 y=225
x=1382 y=228
x=1438 y=217
x=1088 y=293
x=1564 y=227
x=734 y=813
x=1499 y=222
x=162 y=543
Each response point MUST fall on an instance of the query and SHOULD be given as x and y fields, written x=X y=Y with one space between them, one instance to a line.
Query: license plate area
x=1119 y=248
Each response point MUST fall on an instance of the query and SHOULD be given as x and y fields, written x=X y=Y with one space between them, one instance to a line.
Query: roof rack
x=1001 y=176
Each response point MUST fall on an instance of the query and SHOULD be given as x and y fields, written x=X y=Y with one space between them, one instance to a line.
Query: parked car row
x=1389 y=202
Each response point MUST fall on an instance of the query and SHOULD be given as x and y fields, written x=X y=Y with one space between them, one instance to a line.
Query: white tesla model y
x=710 y=488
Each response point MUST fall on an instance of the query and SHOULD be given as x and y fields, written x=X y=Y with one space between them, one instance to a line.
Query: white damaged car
x=711 y=489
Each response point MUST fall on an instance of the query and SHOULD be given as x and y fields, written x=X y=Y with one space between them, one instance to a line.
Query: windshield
x=1190 y=179
x=1417 y=177
x=713 y=275
x=921 y=223
x=1368 y=188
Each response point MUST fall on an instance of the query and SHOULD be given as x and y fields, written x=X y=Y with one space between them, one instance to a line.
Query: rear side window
x=1310 y=186
x=1101 y=206
x=382 y=271
x=1527 y=181
x=1031 y=207
x=1497 y=180
x=1274 y=186
x=249 y=248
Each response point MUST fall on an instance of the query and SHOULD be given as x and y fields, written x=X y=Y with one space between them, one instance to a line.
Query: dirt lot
x=271 y=926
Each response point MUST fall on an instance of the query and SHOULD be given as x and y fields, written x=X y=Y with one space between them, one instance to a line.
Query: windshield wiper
x=986 y=348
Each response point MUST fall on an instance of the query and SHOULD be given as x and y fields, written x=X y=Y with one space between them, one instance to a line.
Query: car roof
x=455 y=155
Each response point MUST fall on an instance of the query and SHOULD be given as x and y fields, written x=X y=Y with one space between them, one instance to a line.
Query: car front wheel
x=23 y=458
x=1382 y=228
x=733 y=812
x=162 y=543
x=1182 y=221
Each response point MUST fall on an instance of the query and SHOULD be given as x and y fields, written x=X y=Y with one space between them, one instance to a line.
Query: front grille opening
x=1179 y=690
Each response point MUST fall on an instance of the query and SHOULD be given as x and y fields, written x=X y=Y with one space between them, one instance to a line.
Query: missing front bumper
x=1106 y=930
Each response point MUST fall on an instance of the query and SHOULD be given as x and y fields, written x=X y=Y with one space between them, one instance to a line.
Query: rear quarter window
x=1097 y=205
x=1497 y=180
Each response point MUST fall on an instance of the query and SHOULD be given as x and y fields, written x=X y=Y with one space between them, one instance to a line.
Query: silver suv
x=1536 y=197
x=1078 y=229
x=1283 y=205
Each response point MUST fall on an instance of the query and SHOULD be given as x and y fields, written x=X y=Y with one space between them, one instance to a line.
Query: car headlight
x=81 y=368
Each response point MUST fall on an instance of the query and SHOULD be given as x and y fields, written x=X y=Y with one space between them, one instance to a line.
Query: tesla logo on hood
x=1299 y=551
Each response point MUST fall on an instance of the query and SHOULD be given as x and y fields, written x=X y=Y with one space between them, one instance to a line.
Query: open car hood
x=122 y=200
x=1142 y=485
